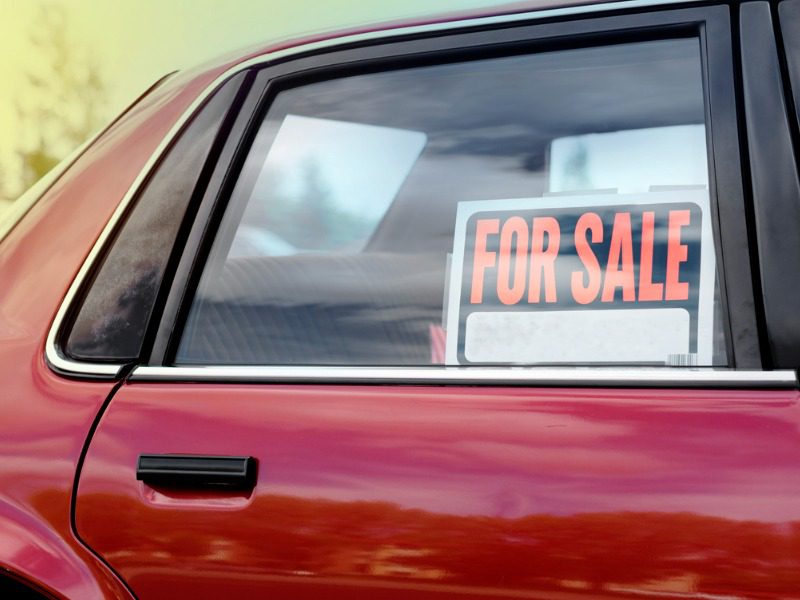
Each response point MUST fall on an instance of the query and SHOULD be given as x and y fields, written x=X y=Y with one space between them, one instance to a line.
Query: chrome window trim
x=508 y=376
x=435 y=375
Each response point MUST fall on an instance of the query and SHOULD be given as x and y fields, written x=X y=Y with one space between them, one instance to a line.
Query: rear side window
x=533 y=209
x=111 y=321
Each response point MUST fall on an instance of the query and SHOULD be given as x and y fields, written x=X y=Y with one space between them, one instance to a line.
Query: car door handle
x=197 y=471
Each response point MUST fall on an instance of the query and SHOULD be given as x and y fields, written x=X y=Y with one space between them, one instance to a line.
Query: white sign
x=594 y=279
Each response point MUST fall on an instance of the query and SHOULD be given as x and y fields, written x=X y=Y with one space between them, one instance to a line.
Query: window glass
x=111 y=322
x=537 y=209
x=789 y=11
x=308 y=197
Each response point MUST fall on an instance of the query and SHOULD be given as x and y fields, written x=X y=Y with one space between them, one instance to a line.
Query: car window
x=308 y=198
x=549 y=208
x=789 y=11
x=111 y=322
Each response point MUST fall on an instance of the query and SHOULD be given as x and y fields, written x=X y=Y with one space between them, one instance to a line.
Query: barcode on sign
x=682 y=360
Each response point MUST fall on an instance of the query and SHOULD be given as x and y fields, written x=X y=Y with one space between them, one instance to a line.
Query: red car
x=497 y=306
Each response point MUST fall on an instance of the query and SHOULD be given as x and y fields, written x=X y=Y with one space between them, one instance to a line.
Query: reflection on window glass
x=309 y=197
x=633 y=160
x=337 y=242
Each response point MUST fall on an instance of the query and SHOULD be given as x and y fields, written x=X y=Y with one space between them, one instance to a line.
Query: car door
x=465 y=310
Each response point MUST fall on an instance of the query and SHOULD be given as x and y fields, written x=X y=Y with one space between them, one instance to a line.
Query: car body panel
x=508 y=12
x=669 y=492
x=45 y=417
x=486 y=492
x=36 y=552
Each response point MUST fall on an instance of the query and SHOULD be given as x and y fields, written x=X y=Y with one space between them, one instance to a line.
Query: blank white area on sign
x=630 y=336
x=630 y=161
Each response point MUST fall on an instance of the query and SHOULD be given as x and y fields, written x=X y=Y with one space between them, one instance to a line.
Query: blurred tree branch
x=64 y=100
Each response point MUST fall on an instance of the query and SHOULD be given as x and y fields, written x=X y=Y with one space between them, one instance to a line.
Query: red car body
x=384 y=491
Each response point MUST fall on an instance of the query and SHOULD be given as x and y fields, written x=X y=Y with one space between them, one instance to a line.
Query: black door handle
x=197 y=471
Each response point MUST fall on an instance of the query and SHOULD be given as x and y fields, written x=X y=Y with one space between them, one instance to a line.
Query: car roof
x=433 y=21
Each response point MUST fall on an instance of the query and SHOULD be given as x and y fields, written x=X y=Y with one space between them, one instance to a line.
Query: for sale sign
x=599 y=279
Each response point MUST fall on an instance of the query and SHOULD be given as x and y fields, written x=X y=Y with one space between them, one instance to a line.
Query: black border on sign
x=710 y=24
x=465 y=310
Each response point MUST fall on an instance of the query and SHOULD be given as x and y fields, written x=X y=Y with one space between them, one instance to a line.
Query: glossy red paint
x=46 y=418
x=366 y=490
x=453 y=491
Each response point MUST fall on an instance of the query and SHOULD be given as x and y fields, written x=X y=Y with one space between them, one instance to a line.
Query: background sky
x=52 y=51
